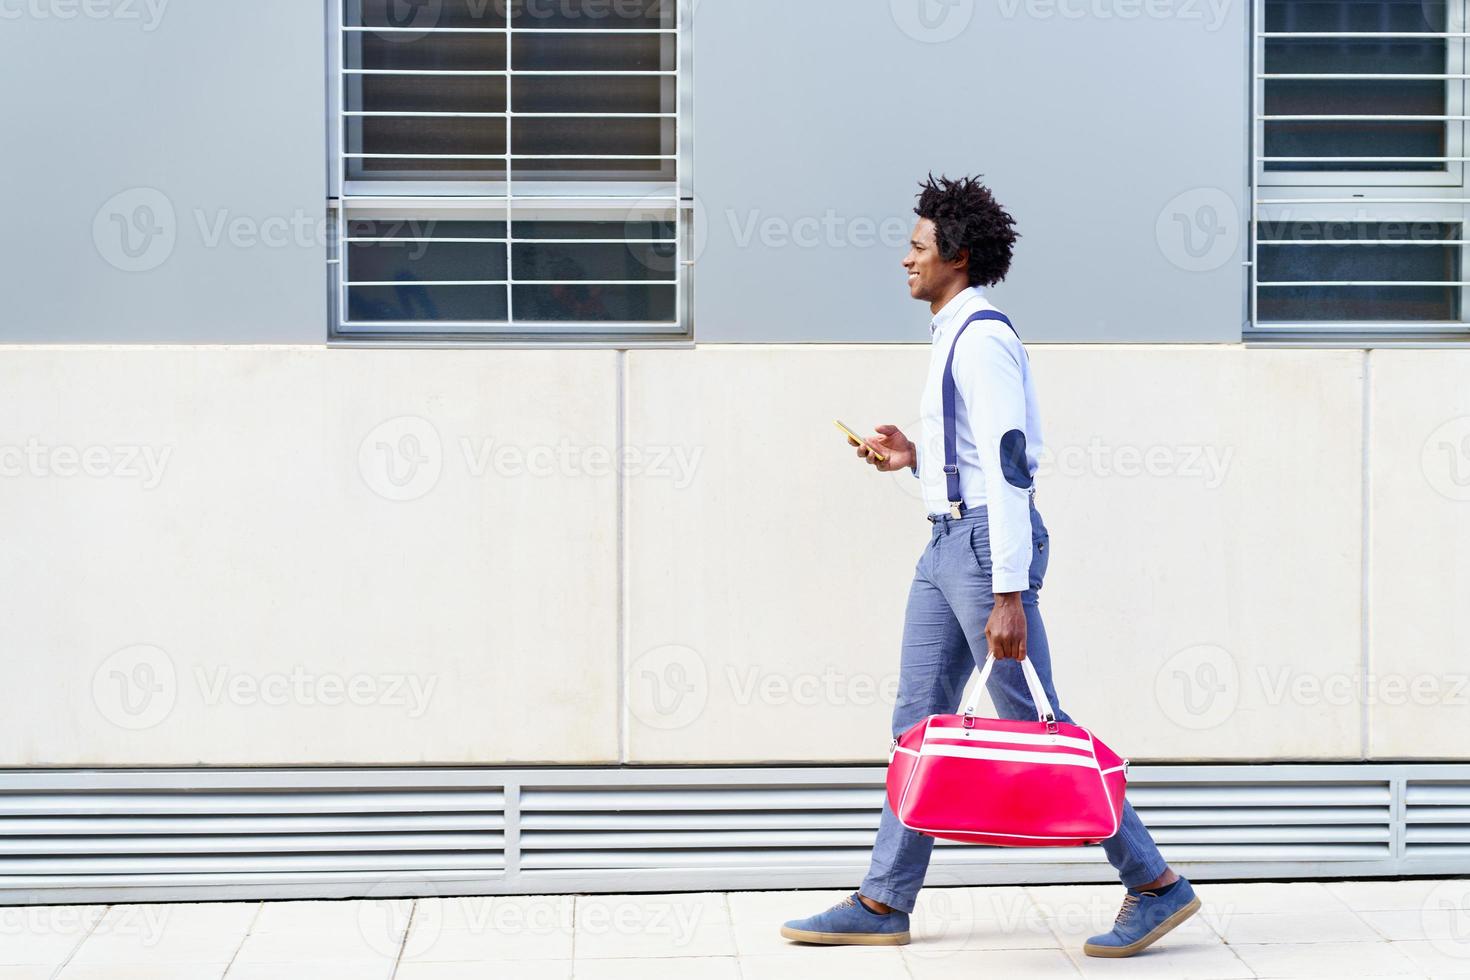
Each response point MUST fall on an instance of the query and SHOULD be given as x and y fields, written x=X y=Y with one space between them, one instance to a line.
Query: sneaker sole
x=1159 y=931
x=847 y=938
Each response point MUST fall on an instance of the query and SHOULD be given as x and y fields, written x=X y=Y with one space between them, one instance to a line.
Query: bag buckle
x=1051 y=723
x=968 y=721
x=954 y=509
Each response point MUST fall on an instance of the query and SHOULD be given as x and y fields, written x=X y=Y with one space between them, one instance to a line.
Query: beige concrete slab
x=300 y=556
x=1419 y=569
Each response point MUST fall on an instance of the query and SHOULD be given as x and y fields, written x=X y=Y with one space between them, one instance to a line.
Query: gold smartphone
x=859 y=440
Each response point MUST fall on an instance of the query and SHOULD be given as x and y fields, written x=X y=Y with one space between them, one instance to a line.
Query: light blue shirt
x=997 y=430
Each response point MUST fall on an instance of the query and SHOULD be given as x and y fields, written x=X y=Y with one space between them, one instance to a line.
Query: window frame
x=521 y=200
x=1355 y=196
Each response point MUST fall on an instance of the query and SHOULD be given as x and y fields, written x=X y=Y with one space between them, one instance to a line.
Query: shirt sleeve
x=995 y=402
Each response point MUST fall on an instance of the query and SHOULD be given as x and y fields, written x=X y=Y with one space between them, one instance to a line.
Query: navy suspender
x=951 y=452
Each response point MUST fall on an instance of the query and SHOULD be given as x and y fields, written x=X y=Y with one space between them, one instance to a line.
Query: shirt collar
x=953 y=307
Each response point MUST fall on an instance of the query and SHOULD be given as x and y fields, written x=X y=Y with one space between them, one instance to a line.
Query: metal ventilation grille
x=817 y=823
x=1437 y=819
x=173 y=835
x=115 y=831
x=1268 y=821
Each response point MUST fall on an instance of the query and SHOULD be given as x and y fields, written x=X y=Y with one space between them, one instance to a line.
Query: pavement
x=1411 y=928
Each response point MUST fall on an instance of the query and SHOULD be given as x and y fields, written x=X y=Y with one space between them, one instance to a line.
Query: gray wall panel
x=208 y=119
x=206 y=122
x=1090 y=119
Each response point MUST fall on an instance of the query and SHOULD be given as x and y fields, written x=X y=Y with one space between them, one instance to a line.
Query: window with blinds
x=1359 y=170
x=510 y=169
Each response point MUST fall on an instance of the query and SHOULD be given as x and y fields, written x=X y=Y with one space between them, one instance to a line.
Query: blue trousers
x=943 y=641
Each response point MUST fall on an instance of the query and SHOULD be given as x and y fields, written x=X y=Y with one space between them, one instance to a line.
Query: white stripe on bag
x=1023 y=738
x=1010 y=755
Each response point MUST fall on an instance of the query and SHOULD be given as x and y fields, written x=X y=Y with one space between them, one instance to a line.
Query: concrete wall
x=297 y=555
x=167 y=182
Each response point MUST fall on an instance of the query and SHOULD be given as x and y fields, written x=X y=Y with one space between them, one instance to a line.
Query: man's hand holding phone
x=888 y=450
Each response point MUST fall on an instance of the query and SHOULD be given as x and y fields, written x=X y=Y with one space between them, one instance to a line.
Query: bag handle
x=1044 y=710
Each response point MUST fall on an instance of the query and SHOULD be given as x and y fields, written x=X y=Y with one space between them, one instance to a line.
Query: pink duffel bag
x=1011 y=783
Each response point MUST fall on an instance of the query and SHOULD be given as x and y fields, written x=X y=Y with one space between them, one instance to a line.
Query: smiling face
x=931 y=278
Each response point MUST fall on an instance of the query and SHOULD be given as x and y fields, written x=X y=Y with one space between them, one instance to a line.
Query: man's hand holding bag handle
x=1038 y=783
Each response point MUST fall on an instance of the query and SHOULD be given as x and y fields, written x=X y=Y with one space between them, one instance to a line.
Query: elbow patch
x=1013 y=459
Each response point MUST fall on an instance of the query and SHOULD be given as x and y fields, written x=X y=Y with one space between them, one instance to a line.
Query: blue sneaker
x=1144 y=919
x=850 y=922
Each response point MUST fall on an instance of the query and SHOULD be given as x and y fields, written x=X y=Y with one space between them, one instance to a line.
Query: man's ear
x=961 y=260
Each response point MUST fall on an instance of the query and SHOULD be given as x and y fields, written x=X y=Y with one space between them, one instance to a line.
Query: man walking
x=975 y=586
